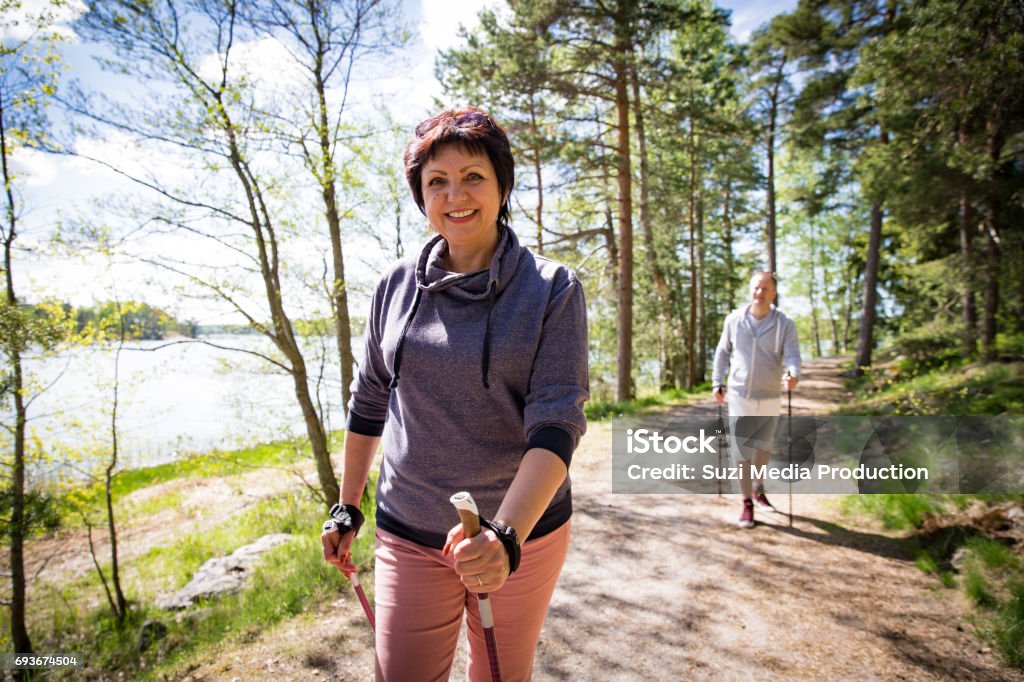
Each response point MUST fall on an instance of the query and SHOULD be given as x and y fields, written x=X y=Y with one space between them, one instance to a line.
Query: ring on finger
x=479 y=579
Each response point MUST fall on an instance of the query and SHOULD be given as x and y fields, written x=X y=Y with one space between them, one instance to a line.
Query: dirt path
x=667 y=587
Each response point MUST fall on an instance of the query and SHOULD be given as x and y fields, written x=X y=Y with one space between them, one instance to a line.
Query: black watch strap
x=347 y=517
x=509 y=538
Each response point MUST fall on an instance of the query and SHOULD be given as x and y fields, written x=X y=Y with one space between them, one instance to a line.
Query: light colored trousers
x=420 y=602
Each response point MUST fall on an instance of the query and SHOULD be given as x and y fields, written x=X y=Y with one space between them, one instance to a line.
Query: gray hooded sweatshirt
x=755 y=359
x=465 y=372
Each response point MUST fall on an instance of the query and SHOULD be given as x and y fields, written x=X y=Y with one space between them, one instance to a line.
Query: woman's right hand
x=337 y=549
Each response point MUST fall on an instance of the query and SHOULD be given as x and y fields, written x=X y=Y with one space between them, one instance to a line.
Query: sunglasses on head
x=469 y=117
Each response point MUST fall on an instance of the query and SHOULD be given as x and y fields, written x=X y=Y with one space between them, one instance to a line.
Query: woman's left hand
x=481 y=561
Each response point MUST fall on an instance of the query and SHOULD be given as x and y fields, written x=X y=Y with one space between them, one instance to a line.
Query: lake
x=174 y=399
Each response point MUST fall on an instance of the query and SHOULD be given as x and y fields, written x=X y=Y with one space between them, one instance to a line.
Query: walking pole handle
x=468 y=514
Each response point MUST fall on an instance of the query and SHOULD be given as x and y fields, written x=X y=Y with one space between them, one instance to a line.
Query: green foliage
x=1007 y=625
x=933 y=345
x=993 y=555
x=992 y=574
x=141 y=321
x=599 y=410
x=975 y=389
x=290 y=580
x=976 y=587
x=993 y=579
x=897 y=512
x=42 y=513
x=86 y=500
x=29 y=69
x=36 y=328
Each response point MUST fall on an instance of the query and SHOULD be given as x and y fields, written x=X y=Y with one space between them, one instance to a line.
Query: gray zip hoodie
x=465 y=372
x=755 y=360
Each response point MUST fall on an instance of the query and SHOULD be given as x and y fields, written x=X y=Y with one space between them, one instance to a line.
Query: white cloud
x=265 y=61
x=34 y=168
x=749 y=15
x=21 y=22
x=440 y=20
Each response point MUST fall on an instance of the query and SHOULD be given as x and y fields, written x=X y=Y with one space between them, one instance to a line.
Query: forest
x=870 y=153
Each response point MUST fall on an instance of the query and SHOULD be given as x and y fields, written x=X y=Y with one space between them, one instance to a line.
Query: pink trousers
x=420 y=602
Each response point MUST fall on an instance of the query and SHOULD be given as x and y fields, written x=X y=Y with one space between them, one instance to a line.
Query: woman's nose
x=456 y=190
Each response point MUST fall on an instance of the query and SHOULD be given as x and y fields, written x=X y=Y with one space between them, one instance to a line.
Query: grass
x=896 y=512
x=993 y=579
x=289 y=580
x=962 y=389
x=215 y=463
x=600 y=410
x=992 y=573
x=73 y=616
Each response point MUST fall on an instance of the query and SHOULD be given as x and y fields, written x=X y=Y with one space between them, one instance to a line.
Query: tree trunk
x=624 y=333
x=866 y=340
x=992 y=259
x=848 y=309
x=811 y=292
x=339 y=287
x=691 y=339
x=730 y=258
x=534 y=135
x=969 y=314
x=284 y=335
x=19 y=632
x=702 y=340
x=833 y=324
x=120 y=605
x=773 y=115
x=993 y=229
x=657 y=275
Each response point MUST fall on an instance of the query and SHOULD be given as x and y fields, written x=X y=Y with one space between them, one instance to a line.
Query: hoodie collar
x=431 y=274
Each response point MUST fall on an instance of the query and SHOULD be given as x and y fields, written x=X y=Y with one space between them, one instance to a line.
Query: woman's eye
x=435 y=182
x=474 y=177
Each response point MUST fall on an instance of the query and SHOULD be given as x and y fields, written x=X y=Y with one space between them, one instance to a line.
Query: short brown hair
x=475 y=132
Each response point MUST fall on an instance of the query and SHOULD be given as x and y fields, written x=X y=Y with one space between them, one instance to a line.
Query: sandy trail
x=667 y=587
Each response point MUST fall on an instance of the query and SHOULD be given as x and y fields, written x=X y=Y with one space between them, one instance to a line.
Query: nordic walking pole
x=470 y=528
x=331 y=526
x=789 y=443
x=721 y=435
x=367 y=609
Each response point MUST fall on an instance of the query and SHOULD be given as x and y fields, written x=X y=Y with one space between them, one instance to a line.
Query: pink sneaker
x=762 y=502
x=747 y=517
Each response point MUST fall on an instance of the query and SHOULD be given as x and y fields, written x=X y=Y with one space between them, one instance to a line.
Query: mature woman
x=475 y=376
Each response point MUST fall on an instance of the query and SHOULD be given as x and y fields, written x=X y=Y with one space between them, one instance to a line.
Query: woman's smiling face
x=461 y=197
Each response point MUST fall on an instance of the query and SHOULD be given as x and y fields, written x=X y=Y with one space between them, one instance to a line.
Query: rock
x=958 y=559
x=151 y=631
x=222 y=574
x=1016 y=514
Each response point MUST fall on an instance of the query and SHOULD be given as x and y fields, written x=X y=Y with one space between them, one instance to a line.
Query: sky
x=55 y=187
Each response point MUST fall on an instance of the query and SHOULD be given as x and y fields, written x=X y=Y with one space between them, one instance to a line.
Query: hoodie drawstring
x=401 y=338
x=485 y=361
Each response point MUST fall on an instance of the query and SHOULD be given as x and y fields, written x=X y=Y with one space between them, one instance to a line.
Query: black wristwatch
x=509 y=538
x=346 y=517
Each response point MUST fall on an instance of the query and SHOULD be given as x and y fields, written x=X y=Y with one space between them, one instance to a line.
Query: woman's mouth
x=460 y=216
